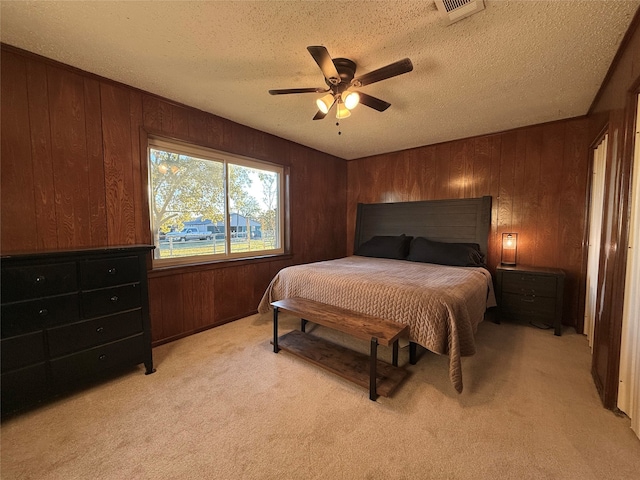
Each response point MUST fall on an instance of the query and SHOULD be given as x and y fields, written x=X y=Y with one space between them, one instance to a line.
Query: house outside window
x=207 y=205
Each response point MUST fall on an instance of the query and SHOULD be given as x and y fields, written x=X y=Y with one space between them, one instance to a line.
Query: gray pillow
x=395 y=247
x=443 y=253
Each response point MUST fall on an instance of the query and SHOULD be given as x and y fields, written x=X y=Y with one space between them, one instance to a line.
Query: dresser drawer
x=24 y=387
x=97 y=360
x=541 y=308
x=21 y=351
x=78 y=336
x=529 y=284
x=109 y=272
x=24 y=317
x=110 y=300
x=22 y=283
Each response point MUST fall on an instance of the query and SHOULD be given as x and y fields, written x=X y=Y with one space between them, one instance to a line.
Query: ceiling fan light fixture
x=339 y=75
x=350 y=99
x=325 y=103
x=342 y=112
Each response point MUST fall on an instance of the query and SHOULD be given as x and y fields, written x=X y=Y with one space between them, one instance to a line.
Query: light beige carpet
x=222 y=405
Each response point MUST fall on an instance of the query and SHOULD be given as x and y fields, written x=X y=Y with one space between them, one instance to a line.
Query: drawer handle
x=527 y=291
x=112 y=271
x=528 y=299
x=100 y=329
x=43 y=312
x=114 y=299
x=102 y=358
x=40 y=279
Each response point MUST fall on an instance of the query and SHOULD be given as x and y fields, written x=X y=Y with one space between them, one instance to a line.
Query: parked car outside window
x=189 y=234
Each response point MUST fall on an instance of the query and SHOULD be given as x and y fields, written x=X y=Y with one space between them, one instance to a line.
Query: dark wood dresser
x=70 y=317
x=532 y=294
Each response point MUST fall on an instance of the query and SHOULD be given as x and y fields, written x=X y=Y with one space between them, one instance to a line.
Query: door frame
x=613 y=273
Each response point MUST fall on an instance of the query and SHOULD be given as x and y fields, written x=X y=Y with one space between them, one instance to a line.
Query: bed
x=415 y=263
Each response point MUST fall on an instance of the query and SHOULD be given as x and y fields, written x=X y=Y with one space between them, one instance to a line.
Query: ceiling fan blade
x=285 y=91
x=320 y=115
x=391 y=70
x=323 y=59
x=373 y=102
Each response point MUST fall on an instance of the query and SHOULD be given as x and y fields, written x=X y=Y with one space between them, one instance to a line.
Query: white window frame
x=205 y=153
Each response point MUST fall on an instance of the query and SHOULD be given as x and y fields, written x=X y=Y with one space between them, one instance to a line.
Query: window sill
x=214 y=265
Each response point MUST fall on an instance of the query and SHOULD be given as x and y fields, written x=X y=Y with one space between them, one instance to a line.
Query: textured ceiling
x=515 y=63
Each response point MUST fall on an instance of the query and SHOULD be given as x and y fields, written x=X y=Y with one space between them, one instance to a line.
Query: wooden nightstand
x=533 y=294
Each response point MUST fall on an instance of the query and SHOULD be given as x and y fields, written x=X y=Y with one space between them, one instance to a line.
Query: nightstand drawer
x=531 y=294
x=542 y=308
x=530 y=284
x=81 y=335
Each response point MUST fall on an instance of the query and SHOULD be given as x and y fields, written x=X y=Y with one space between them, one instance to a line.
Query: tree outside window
x=212 y=205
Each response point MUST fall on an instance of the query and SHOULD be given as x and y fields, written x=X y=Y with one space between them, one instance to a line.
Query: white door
x=629 y=387
x=595 y=233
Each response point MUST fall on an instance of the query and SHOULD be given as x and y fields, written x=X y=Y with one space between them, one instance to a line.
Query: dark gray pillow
x=395 y=247
x=442 y=253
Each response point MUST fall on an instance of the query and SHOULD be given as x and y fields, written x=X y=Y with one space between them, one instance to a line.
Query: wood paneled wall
x=537 y=178
x=74 y=175
x=614 y=111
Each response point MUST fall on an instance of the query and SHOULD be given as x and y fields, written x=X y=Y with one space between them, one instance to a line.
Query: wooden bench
x=380 y=377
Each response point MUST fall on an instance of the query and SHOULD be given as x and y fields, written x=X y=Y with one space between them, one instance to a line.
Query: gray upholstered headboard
x=456 y=220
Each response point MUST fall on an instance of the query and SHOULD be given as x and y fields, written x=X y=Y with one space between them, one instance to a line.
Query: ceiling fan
x=339 y=74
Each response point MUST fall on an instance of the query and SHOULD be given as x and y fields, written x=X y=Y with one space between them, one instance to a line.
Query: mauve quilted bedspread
x=442 y=305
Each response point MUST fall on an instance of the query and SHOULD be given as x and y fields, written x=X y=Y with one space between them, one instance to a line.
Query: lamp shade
x=350 y=99
x=509 y=248
x=325 y=103
x=343 y=112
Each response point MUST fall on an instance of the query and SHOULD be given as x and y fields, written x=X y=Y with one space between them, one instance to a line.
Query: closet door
x=595 y=233
x=608 y=332
x=629 y=387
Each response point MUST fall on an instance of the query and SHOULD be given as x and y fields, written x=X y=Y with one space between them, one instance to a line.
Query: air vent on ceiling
x=454 y=10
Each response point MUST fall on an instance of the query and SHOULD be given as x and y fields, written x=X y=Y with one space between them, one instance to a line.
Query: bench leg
x=276 y=349
x=373 y=395
x=394 y=359
x=412 y=353
x=303 y=325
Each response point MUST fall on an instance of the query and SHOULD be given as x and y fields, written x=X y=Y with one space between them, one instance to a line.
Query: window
x=209 y=205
